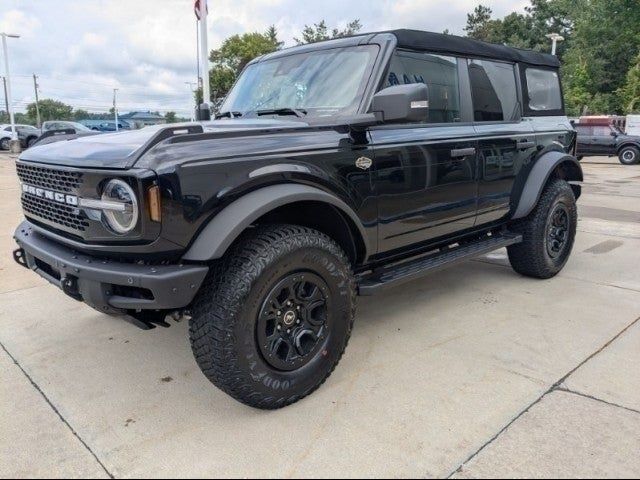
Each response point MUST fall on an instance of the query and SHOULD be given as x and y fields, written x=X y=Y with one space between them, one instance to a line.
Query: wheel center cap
x=289 y=317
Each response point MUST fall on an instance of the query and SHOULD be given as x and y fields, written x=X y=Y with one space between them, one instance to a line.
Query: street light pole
x=555 y=38
x=14 y=144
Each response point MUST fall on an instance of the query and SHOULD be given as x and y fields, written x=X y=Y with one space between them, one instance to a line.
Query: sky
x=82 y=49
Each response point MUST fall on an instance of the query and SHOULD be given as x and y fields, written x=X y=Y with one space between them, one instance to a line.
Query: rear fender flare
x=538 y=177
x=223 y=229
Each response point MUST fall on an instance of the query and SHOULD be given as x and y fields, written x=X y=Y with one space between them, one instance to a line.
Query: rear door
x=506 y=142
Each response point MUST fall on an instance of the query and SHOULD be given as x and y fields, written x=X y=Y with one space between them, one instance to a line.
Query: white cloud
x=14 y=21
x=82 y=49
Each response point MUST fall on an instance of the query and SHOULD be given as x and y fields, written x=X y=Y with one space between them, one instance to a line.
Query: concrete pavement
x=473 y=372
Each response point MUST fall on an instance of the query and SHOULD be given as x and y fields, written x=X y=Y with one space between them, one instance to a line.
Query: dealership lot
x=473 y=372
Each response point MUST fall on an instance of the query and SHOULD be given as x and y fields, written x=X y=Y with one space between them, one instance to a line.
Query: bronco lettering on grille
x=50 y=195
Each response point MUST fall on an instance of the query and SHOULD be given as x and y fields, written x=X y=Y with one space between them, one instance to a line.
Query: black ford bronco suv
x=333 y=170
x=607 y=139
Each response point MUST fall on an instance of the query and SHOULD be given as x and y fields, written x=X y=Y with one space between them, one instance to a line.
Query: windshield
x=318 y=83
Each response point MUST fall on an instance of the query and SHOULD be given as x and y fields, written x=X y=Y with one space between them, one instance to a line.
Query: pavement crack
x=555 y=386
x=56 y=411
x=591 y=397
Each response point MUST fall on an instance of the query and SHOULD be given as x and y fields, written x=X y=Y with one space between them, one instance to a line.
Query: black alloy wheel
x=557 y=230
x=293 y=322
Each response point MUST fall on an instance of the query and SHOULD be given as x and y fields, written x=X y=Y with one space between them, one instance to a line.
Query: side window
x=601 y=131
x=438 y=72
x=543 y=89
x=494 y=91
x=584 y=130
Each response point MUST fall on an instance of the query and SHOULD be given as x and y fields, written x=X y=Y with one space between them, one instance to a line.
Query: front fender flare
x=537 y=179
x=223 y=229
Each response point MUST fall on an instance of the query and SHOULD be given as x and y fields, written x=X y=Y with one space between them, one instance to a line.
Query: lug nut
x=278 y=312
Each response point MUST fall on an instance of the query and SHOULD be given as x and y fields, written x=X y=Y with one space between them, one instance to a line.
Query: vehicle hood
x=122 y=149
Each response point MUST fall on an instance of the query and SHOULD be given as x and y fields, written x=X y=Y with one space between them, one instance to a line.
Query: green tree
x=577 y=89
x=526 y=30
x=630 y=91
x=236 y=51
x=480 y=25
x=320 y=31
x=81 y=114
x=605 y=33
x=51 y=110
x=171 y=117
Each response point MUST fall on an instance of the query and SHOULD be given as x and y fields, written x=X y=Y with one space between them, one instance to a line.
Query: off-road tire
x=223 y=327
x=629 y=155
x=531 y=257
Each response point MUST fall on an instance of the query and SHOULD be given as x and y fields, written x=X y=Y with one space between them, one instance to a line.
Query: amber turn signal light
x=153 y=200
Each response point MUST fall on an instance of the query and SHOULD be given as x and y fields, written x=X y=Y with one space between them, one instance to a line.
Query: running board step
x=412 y=269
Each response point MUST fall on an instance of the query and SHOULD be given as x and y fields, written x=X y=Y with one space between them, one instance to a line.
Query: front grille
x=51 y=179
x=58 y=213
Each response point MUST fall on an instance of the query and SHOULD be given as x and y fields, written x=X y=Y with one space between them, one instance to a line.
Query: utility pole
x=14 y=144
x=115 y=106
x=6 y=98
x=35 y=89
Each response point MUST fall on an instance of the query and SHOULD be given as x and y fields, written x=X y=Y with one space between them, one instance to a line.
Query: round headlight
x=123 y=216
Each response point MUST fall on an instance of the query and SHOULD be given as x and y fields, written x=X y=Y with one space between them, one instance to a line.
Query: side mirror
x=402 y=103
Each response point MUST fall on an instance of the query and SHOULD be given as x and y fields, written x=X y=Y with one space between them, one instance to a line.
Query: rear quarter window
x=543 y=90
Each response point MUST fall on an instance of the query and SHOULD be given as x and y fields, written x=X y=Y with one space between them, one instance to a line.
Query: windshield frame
x=364 y=90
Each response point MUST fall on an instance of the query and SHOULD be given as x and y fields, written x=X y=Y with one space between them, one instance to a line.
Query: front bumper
x=104 y=284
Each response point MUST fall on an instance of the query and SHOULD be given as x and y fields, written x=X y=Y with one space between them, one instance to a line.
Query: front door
x=425 y=173
x=604 y=141
x=425 y=181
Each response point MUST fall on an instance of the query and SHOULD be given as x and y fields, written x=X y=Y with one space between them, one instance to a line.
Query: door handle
x=524 y=144
x=462 y=152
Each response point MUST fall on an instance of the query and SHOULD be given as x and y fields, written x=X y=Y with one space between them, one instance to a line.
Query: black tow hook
x=20 y=257
x=69 y=285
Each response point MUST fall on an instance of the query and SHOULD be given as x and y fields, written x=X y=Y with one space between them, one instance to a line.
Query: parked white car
x=5 y=134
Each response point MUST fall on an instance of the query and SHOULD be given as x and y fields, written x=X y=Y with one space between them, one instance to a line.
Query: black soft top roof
x=433 y=42
x=444 y=43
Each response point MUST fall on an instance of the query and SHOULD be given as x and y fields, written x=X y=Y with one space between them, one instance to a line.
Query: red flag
x=196 y=8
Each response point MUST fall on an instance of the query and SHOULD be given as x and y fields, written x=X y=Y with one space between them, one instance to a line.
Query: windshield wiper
x=228 y=114
x=298 y=112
